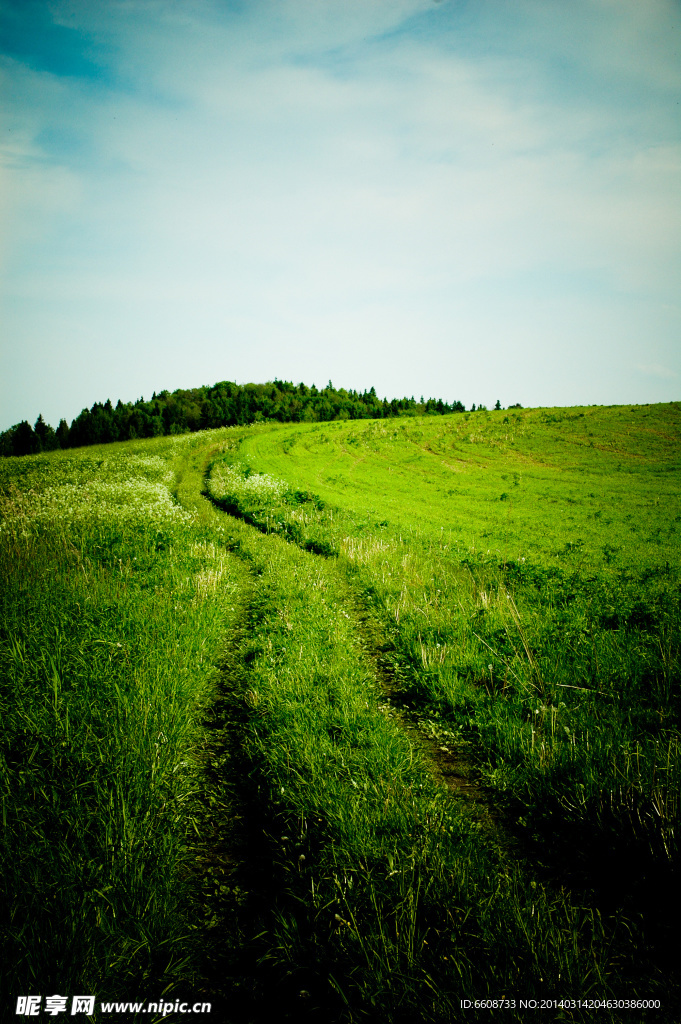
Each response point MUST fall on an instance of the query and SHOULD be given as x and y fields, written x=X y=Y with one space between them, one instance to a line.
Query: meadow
x=356 y=719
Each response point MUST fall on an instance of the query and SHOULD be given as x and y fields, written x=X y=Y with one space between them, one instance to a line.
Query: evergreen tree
x=46 y=435
x=62 y=434
x=25 y=441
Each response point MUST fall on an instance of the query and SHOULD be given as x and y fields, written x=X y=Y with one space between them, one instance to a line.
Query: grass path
x=450 y=765
x=446 y=754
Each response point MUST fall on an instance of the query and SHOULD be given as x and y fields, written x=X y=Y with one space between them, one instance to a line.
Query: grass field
x=354 y=719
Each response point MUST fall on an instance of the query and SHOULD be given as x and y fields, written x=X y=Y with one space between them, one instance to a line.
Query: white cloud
x=655 y=370
x=293 y=171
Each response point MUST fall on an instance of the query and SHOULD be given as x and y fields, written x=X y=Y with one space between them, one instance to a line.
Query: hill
x=222 y=405
x=347 y=718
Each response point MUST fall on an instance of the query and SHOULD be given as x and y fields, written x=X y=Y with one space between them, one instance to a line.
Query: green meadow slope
x=600 y=481
x=524 y=569
x=350 y=720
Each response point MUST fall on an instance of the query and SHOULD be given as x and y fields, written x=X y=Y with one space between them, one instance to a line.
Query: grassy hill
x=353 y=719
x=603 y=481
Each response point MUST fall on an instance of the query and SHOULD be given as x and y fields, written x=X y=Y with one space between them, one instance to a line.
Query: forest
x=225 y=404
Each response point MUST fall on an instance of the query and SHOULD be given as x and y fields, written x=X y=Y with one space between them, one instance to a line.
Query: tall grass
x=484 y=656
x=113 y=606
x=521 y=580
x=561 y=662
x=389 y=895
x=559 y=668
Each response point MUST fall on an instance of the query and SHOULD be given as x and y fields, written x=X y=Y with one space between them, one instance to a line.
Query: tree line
x=221 y=405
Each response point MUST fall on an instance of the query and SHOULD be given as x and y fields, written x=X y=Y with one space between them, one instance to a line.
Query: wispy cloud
x=655 y=370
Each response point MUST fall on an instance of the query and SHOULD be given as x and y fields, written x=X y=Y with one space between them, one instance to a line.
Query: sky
x=466 y=199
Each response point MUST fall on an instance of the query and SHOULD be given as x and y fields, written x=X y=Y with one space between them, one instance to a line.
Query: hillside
x=589 y=483
x=345 y=719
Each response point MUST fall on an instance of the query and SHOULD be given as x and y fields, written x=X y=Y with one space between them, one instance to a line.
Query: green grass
x=557 y=643
x=114 y=605
x=554 y=651
x=586 y=483
x=389 y=894
x=516 y=573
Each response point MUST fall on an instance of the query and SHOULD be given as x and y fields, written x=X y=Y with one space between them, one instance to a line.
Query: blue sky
x=471 y=199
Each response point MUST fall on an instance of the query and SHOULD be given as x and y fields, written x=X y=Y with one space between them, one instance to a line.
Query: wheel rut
x=227 y=870
x=223 y=847
x=447 y=756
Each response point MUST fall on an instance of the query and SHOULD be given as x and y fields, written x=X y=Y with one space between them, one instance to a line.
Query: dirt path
x=449 y=757
x=223 y=847
x=228 y=856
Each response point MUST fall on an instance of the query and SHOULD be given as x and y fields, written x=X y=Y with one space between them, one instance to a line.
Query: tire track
x=447 y=757
x=229 y=859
